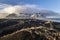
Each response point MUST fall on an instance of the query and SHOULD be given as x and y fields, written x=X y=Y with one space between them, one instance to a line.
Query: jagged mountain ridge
x=42 y=12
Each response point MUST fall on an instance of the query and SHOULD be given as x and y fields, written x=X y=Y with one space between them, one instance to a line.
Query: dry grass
x=35 y=33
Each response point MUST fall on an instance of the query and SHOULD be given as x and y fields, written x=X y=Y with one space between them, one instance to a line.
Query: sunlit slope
x=29 y=30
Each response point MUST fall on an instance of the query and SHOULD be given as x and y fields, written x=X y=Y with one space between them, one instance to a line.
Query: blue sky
x=53 y=5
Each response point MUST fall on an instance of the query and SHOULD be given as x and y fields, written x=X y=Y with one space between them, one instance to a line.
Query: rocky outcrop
x=30 y=30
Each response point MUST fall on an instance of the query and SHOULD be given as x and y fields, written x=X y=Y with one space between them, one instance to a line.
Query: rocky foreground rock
x=29 y=30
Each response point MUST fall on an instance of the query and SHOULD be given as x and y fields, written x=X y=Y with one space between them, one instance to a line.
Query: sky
x=53 y=5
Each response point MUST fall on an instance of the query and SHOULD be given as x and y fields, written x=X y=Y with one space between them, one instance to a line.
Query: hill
x=30 y=30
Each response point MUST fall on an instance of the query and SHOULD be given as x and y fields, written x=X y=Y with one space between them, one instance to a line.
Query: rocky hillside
x=29 y=30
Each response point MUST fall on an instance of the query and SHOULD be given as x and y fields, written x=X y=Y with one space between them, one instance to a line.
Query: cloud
x=19 y=8
x=6 y=9
x=3 y=5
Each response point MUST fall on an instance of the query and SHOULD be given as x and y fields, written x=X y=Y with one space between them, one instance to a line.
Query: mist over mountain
x=27 y=8
x=48 y=13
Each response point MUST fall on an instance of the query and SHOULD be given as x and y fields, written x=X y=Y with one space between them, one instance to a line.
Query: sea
x=50 y=19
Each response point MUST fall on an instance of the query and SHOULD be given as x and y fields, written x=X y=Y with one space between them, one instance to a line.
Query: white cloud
x=6 y=9
x=19 y=8
x=4 y=5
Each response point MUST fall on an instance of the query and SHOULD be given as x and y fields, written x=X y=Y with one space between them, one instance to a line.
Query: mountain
x=48 y=13
x=29 y=30
x=12 y=15
x=44 y=13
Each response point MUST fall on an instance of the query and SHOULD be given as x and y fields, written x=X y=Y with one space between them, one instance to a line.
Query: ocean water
x=54 y=19
x=51 y=19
